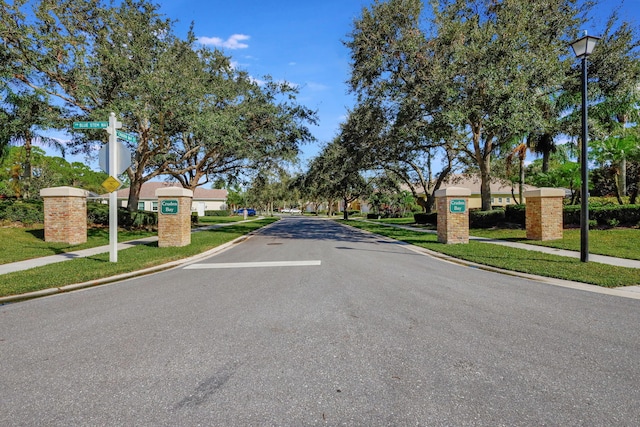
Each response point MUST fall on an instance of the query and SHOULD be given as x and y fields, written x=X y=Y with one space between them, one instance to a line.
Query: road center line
x=253 y=264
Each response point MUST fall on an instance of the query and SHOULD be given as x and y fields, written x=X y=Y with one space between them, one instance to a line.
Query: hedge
x=98 y=214
x=25 y=211
x=217 y=213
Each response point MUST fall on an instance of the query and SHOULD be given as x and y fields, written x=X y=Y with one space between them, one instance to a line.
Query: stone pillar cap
x=544 y=192
x=173 y=192
x=63 y=192
x=453 y=191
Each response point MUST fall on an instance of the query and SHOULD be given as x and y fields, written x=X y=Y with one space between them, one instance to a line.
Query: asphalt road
x=312 y=323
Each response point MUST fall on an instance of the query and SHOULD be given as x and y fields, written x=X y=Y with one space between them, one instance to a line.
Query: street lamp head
x=583 y=47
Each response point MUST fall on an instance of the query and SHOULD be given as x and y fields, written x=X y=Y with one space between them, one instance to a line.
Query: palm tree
x=26 y=114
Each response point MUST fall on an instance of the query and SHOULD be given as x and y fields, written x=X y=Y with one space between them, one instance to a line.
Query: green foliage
x=27 y=212
x=98 y=214
x=604 y=215
x=486 y=219
x=217 y=213
x=515 y=214
x=426 y=218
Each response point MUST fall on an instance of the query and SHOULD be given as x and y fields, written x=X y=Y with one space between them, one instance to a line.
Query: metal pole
x=584 y=197
x=113 y=196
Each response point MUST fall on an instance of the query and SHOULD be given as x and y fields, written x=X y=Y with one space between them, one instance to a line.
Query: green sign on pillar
x=457 y=205
x=169 y=207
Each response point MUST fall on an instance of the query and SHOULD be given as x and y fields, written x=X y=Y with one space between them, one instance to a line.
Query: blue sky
x=300 y=41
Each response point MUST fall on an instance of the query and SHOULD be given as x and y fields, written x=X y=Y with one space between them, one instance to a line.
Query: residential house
x=203 y=199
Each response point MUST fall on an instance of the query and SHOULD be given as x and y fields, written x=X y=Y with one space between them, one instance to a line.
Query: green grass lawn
x=209 y=220
x=522 y=260
x=617 y=242
x=132 y=259
x=18 y=244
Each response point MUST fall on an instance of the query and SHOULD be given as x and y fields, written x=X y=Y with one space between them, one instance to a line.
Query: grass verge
x=513 y=259
x=18 y=244
x=129 y=260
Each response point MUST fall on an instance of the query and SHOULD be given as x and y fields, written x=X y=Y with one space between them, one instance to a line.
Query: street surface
x=313 y=323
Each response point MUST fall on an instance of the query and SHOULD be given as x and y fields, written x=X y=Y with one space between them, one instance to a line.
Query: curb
x=621 y=292
x=123 y=276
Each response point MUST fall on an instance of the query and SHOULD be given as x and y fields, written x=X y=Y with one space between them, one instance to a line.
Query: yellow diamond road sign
x=111 y=184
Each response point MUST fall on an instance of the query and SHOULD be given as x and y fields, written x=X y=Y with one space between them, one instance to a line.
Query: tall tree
x=27 y=114
x=498 y=55
x=399 y=102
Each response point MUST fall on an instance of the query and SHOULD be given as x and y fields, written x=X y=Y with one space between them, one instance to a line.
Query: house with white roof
x=203 y=199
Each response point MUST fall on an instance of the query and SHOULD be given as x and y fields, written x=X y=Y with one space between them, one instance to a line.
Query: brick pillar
x=543 y=215
x=174 y=216
x=65 y=215
x=453 y=215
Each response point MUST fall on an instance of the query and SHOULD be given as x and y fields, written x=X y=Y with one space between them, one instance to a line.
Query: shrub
x=426 y=218
x=604 y=215
x=486 y=219
x=98 y=214
x=516 y=214
x=217 y=213
x=24 y=211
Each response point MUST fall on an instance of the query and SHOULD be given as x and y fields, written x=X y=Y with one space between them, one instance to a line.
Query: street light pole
x=583 y=48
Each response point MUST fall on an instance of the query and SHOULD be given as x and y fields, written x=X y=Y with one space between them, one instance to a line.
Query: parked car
x=291 y=210
x=250 y=211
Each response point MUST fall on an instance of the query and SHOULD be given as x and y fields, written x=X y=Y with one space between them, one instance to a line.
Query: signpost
x=114 y=158
x=113 y=196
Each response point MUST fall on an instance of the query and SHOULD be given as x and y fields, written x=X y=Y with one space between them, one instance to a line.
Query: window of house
x=499 y=199
x=154 y=206
x=508 y=199
x=140 y=206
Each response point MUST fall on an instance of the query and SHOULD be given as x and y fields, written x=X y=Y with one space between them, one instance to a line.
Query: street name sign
x=90 y=125
x=457 y=205
x=169 y=207
x=127 y=137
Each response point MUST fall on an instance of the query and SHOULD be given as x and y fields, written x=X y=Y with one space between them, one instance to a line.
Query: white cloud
x=316 y=87
x=233 y=42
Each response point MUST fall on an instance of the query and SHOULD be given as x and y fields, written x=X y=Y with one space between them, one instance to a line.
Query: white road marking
x=253 y=264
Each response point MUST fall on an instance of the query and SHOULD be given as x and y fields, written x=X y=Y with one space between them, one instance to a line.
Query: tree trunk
x=521 y=184
x=134 y=194
x=623 y=177
x=545 y=161
x=485 y=184
x=345 y=211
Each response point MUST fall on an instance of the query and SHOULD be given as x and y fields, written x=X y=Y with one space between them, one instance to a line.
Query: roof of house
x=148 y=191
x=472 y=182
